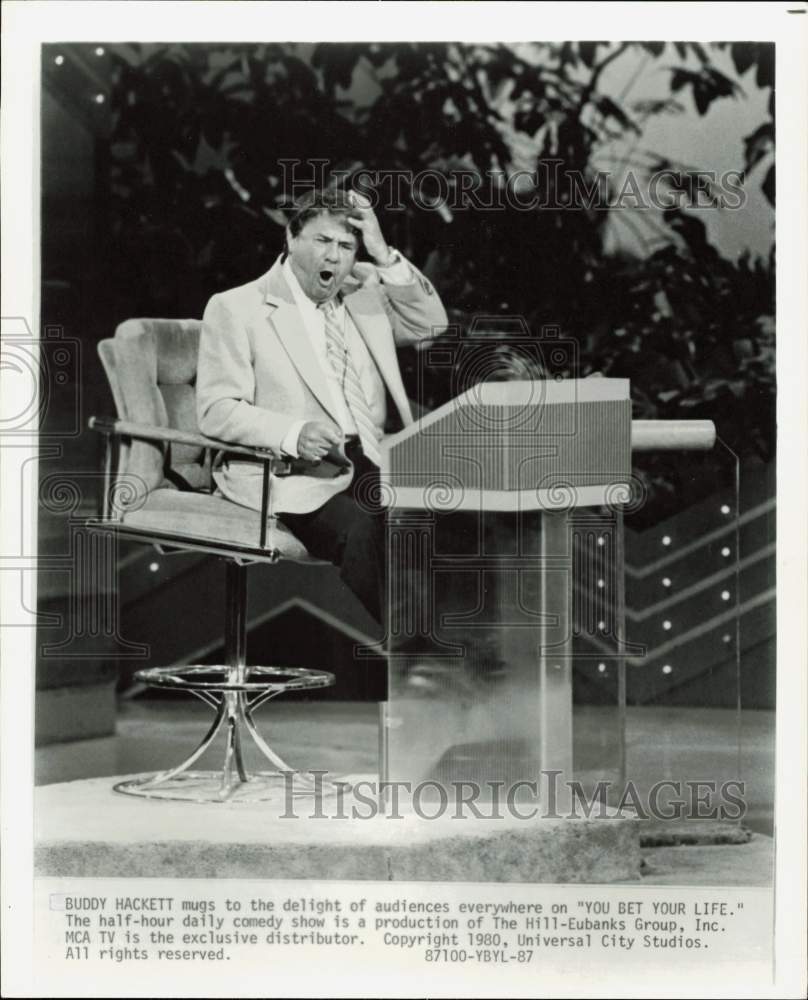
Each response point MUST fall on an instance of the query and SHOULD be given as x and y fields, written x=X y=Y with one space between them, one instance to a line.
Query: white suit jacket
x=257 y=374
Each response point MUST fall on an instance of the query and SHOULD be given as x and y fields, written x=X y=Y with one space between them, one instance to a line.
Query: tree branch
x=598 y=70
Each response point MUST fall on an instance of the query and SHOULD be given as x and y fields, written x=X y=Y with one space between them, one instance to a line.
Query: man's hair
x=315 y=203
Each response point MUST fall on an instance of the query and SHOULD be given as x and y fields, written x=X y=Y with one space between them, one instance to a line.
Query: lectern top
x=521 y=395
x=518 y=445
x=555 y=390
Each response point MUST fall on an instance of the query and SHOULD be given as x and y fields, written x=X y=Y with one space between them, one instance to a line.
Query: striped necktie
x=348 y=377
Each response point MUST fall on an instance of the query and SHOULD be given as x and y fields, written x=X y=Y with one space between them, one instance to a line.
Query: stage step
x=84 y=829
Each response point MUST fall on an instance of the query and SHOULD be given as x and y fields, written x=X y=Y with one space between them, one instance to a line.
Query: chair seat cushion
x=202 y=517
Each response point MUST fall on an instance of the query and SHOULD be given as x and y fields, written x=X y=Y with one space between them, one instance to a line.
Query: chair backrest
x=151 y=368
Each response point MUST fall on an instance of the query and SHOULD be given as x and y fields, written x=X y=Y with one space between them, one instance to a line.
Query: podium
x=486 y=496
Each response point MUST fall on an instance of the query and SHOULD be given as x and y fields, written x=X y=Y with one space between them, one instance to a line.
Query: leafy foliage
x=204 y=137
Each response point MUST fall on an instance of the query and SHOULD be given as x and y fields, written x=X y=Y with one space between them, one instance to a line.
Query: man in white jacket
x=302 y=361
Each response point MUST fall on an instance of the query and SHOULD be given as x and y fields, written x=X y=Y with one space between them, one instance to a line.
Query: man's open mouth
x=326 y=276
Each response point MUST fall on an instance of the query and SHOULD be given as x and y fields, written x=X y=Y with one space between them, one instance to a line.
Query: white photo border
x=27 y=25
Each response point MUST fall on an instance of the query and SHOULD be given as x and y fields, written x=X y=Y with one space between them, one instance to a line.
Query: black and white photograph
x=403 y=450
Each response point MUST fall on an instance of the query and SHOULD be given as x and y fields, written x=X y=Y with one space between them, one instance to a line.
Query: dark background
x=163 y=182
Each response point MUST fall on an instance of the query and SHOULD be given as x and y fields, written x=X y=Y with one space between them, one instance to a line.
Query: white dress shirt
x=313 y=319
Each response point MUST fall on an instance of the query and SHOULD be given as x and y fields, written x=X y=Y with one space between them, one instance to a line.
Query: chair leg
x=234 y=699
x=235 y=651
x=260 y=742
x=235 y=622
x=232 y=754
x=163 y=776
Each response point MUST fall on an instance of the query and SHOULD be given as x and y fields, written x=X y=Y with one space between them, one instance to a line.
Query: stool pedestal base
x=234 y=693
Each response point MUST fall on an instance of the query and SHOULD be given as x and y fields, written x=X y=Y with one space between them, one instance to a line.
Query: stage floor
x=662 y=743
x=340 y=737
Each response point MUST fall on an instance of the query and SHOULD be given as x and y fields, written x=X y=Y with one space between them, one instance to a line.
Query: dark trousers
x=349 y=531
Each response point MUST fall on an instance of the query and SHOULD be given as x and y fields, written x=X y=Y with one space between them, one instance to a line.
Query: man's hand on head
x=364 y=220
x=316 y=439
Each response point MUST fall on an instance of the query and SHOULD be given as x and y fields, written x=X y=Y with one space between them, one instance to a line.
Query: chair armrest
x=170 y=435
x=148 y=432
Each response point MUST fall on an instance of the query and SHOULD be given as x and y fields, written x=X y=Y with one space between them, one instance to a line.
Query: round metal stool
x=234 y=693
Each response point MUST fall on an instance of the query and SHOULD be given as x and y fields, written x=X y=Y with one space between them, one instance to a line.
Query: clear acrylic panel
x=463 y=640
x=684 y=593
x=602 y=642
x=598 y=646
x=484 y=647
